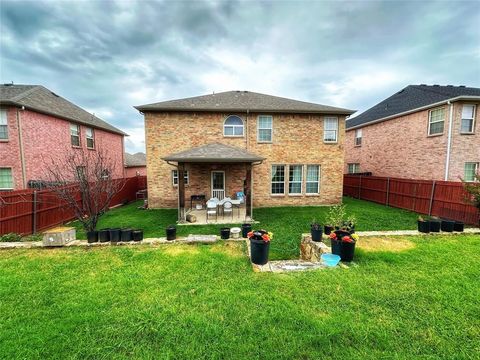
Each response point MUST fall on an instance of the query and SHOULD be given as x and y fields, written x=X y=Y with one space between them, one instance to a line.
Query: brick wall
x=401 y=147
x=297 y=139
x=135 y=171
x=45 y=138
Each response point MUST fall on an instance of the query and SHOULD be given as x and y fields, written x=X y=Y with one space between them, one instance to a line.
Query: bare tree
x=83 y=180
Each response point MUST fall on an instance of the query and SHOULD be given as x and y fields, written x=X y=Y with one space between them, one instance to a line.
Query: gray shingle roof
x=241 y=101
x=215 y=152
x=39 y=98
x=134 y=160
x=410 y=98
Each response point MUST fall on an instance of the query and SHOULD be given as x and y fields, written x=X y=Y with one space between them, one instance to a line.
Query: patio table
x=235 y=203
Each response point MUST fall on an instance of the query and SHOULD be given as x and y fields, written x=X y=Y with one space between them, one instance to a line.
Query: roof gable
x=134 y=160
x=215 y=152
x=241 y=101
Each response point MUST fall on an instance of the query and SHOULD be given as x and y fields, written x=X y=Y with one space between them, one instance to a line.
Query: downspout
x=247 y=130
x=20 y=142
x=251 y=186
x=449 y=140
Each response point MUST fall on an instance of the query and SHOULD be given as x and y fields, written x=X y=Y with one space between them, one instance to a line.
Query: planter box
x=59 y=236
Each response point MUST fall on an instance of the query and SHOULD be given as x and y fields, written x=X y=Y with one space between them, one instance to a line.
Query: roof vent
x=9 y=84
x=436 y=85
x=462 y=86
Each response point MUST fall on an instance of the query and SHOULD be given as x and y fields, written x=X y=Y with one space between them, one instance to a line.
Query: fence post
x=360 y=187
x=34 y=212
x=388 y=191
x=431 y=198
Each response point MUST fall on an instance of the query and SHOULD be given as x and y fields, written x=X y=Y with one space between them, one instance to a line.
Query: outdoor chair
x=211 y=209
x=227 y=208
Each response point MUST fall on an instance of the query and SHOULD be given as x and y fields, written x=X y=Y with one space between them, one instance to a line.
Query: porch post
x=248 y=191
x=181 y=192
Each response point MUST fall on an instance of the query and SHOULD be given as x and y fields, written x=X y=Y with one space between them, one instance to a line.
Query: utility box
x=59 y=236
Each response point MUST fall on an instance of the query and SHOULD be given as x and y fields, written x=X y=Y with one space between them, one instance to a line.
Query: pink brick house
x=37 y=125
x=135 y=164
x=421 y=132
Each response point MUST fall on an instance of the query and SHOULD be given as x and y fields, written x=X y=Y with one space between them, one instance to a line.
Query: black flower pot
x=137 y=235
x=171 y=232
x=246 y=228
x=225 y=233
x=336 y=246
x=447 y=225
x=104 y=235
x=458 y=226
x=435 y=225
x=92 y=236
x=423 y=226
x=347 y=250
x=259 y=251
x=316 y=234
x=115 y=235
x=126 y=235
x=327 y=229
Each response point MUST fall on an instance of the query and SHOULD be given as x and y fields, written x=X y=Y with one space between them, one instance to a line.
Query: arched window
x=233 y=126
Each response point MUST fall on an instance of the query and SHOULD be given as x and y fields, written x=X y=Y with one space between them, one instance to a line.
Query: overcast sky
x=107 y=56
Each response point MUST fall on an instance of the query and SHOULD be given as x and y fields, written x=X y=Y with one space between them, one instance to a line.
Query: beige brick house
x=421 y=132
x=276 y=151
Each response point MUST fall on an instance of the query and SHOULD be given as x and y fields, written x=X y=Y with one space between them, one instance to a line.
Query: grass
x=414 y=297
x=287 y=223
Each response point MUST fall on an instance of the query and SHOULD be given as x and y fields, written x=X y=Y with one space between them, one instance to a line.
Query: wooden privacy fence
x=438 y=198
x=29 y=211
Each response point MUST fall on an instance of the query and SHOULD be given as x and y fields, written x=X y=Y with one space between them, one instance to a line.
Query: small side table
x=197 y=198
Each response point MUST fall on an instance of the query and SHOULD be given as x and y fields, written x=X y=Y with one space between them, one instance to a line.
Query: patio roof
x=215 y=152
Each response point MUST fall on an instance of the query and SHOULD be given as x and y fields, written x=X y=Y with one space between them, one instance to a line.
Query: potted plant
x=423 y=225
x=126 y=235
x=92 y=236
x=458 y=226
x=259 y=246
x=225 y=233
x=246 y=228
x=447 y=225
x=347 y=247
x=171 y=231
x=114 y=235
x=335 y=244
x=435 y=224
x=104 y=235
x=137 y=235
x=316 y=231
x=335 y=217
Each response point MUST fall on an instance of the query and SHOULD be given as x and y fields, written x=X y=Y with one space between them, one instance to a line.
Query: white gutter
x=449 y=140
x=465 y=97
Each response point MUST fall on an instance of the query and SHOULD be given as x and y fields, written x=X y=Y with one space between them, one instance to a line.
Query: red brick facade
x=400 y=147
x=135 y=171
x=43 y=138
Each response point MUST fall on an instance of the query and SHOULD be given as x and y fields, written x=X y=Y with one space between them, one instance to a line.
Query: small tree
x=473 y=191
x=83 y=180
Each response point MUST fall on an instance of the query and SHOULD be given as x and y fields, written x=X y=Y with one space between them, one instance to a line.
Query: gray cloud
x=107 y=56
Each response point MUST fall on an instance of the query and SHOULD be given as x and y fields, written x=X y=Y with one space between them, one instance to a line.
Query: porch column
x=181 y=192
x=248 y=191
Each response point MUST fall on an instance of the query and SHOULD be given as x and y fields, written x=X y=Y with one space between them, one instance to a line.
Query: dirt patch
x=176 y=250
x=391 y=244
x=230 y=249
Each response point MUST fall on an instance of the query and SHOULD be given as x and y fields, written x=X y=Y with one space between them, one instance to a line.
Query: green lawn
x=407 y=298
x=287 y=223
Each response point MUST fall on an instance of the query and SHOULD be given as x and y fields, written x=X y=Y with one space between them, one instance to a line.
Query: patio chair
x=211 y=209
x=227 y=208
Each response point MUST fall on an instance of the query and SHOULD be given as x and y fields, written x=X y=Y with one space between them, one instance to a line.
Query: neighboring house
x=422 y=132
x=38 y=126
x=135 y=164
x=277 y=151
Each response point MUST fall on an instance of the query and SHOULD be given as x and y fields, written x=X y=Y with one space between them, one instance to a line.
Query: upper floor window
x=295 y=179
x=75 y=134
x=358 y=137
x=6 y=180
x=353 y=168
x=3 y=125
x=278 y=179
x=233 y=126
x=175 y=177
x=264 y=128
x=471 y=168
x=436 y=120
x=330 y=129
x=468 y=116
x=90 y=138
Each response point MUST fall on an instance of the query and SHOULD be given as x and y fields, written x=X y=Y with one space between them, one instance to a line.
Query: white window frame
x=355 y=167
x=295 y=182
x=475 y=170
x=435 y=122
x=4 y=122
x=358 y=137
x=472 y=119
x=330 y=118
x=75 y=135
x=234 y=126
x=186 y=177
x=312 y=182
x=92 y=137
x=277 y=182
x=11 y=178
x=265 y=128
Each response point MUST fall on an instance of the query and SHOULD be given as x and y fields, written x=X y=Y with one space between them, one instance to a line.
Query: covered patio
x=214 y=171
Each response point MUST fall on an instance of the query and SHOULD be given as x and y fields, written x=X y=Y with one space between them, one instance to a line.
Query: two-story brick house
x=277 y=151
x=426 y=132
x=38 y=126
